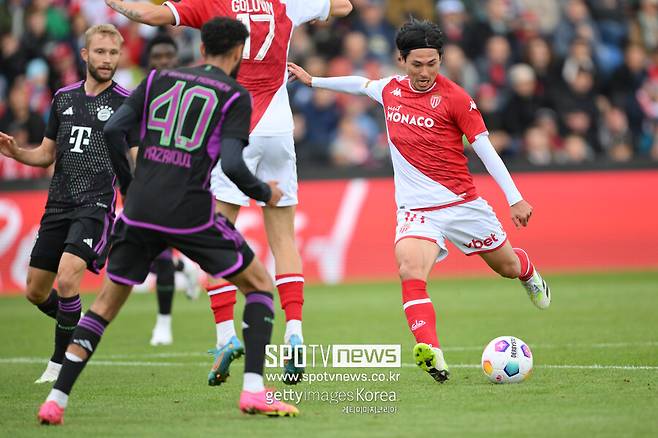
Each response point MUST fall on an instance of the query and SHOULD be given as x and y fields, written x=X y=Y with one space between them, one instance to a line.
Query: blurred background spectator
x=558 y=82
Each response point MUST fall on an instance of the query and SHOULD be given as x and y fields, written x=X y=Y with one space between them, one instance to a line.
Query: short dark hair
x=417 y=34
x=161 y=38
x=221 y=34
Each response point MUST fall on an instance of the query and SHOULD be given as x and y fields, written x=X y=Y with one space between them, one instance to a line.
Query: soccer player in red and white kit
x=426 y=116
x=270 y=154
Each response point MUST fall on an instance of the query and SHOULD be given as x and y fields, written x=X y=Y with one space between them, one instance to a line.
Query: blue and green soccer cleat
x=292 y=374
x=431 y=360
x=222 y=360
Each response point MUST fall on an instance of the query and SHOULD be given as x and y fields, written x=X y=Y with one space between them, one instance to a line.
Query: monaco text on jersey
x=394 y=114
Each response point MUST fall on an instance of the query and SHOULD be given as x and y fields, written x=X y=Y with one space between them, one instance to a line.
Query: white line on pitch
x=36 y=360
x=447 y=348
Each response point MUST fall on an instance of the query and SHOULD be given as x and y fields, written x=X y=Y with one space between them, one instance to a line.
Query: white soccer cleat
x=162 y=331
x=538 y=291
x=51 y=373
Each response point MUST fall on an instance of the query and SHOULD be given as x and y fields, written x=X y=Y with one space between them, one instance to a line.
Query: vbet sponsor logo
x=336 y=356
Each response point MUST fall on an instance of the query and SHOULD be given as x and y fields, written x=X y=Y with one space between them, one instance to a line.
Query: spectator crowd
x=557 y=81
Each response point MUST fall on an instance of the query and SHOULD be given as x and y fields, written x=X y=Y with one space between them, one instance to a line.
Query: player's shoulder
x=389 y=81
x=69 y=89
x=120 y=91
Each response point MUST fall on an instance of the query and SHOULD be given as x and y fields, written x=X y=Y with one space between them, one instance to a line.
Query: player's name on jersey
x=252 y=6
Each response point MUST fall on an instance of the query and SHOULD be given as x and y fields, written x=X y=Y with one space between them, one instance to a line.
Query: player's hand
x=521 y=212
x=8 y=146
x=298 y=73
x=277 y=194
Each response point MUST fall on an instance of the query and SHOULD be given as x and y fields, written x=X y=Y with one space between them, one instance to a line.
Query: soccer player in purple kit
x=74 y=230
x=188 y=118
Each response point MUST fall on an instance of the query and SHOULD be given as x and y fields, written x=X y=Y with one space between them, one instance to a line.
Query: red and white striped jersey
x=425 y=132
x=263 y=72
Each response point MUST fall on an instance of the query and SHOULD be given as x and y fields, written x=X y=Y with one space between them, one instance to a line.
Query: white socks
x=253 y=382
x=58 y=397
x=293 y=327
x=163 y=320
x=225 y=331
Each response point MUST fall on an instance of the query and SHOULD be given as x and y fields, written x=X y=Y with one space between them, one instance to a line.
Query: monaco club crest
x=435 y=101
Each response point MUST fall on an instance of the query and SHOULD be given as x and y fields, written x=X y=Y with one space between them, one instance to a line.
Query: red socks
x=527 y=269
x=222 y=300
x=418 y=307
x=291 y=294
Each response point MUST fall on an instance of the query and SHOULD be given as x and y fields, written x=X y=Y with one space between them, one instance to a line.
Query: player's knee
x=67 y=282
x=33 y=293
x=410 y=271
x=256 y=280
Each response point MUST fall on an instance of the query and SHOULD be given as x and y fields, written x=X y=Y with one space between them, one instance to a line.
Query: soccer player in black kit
x=162 y=53
x=188 y=117
x=75 y=228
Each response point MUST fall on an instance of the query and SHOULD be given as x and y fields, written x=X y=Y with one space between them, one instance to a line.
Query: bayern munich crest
x=435 y=100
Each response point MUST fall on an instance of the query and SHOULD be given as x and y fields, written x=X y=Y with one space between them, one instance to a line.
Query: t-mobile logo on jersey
x=80 y=136
x=477 y=243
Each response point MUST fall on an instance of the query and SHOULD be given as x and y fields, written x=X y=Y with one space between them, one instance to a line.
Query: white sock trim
x=284 y=280
x=408 y=304
x=73 y=357
x=229 y=288
x=58 y=397
x=253 y=382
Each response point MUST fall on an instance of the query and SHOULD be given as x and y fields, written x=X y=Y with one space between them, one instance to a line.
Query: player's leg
x=69 y=276
x=279 y=164
x=41 y=293
x=515 y=263
x=44 y=263
x=86 y=248
x=222 y=294
x=222 y=299
x=258 y=319
x=222 y=252
x=474 y=228
x=415 y=257
x=85 y=340
x=163 y=265
x=131 y=256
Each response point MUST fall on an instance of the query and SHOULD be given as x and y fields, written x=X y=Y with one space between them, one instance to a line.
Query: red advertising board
x=583 y=221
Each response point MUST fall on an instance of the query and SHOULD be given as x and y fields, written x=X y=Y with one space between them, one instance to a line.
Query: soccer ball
x=507 y=360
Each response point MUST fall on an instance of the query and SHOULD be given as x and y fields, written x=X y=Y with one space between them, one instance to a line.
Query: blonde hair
x=105 y=29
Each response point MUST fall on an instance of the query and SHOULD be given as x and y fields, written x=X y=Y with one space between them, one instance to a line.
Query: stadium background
x=569 y=91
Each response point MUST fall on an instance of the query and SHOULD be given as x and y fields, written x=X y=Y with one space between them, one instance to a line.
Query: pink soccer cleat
x=51 y=413
x=265 y=404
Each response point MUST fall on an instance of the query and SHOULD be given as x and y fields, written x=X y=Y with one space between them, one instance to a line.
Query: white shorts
x=472 y=227
x=270 y=159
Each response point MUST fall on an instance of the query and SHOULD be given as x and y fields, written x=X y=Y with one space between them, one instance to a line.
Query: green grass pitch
x=595 y=353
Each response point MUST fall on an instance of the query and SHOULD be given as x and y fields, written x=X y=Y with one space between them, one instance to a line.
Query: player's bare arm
x=143 y=12
x=43 y=156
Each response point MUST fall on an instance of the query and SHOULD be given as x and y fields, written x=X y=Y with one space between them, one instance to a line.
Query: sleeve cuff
x=173 y=11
